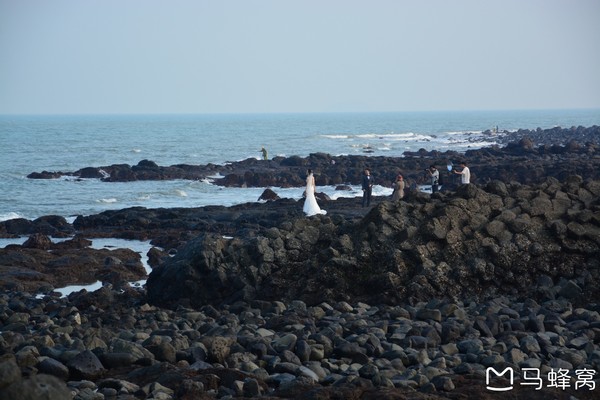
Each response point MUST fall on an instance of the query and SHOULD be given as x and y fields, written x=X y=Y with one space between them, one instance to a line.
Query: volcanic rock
x=468 y=243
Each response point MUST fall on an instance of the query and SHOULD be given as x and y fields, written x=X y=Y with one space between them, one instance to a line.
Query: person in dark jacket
x=367 y=187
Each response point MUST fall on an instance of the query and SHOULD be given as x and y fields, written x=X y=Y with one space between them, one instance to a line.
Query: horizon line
x=294 y=112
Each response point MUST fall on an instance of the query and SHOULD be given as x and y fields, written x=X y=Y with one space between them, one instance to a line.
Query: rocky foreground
x=408 y=300
x=113 y=345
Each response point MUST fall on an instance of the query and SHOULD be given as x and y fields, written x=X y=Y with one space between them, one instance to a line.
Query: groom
x=367 y=187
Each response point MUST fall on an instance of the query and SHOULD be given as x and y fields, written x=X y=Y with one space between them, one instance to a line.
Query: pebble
x=423 y=347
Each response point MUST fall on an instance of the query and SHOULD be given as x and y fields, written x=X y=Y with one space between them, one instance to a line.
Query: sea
x=35 y=143
x=67 y=143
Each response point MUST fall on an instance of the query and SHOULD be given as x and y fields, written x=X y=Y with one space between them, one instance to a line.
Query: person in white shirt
x=465 y=174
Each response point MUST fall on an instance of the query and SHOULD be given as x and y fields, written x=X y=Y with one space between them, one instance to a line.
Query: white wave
x=336 y=136
x=399 y=135
x=107 y=201
x=463 y=132
x=144 y=197
x=475 y=145
x=181 y=193
x=382 y=136
x=136 y=150
x=413 y=138
x=70 y=178
x=10 y=215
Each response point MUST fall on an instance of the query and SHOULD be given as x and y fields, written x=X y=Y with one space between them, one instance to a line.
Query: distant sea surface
x=68 y=143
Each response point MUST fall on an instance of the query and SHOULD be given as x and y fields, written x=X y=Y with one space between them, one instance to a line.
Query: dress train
x=310 y=203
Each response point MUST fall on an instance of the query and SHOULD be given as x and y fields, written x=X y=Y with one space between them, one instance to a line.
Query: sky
x=274 y=56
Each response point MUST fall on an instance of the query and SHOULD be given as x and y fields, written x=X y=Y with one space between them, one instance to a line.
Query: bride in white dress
x=310 y=204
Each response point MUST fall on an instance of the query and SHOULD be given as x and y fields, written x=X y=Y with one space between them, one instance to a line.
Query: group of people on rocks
x=311 y=207
x=399 y=184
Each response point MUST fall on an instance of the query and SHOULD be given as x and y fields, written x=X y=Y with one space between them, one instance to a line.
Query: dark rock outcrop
x=40 y=264
x=52 y=225
x=475 y=242
x=268 y=195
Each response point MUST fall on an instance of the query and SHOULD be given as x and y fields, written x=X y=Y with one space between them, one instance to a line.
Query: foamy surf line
x=10 y=215
x=393 y=137
x=107 y=201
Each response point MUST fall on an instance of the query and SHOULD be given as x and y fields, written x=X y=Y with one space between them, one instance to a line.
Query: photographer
x=435 y=178
x=465 y=178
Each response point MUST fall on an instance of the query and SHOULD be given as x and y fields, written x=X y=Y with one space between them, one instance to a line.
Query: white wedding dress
x=310 y=203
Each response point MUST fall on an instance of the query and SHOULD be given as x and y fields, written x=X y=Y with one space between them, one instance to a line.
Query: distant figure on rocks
x=310 y=203
x=435 y=178
x=367 y=187
x=264 y=153
x=465 y=173
x=398 y=185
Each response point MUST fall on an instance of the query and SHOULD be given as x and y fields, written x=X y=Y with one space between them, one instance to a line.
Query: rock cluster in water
x=529 y=156
x=41 y=265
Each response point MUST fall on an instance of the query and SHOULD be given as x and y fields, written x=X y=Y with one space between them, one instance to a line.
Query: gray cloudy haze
x=247 y=56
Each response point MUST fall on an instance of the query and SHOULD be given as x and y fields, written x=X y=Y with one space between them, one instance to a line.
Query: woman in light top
x=398 y=185
x=310 y=203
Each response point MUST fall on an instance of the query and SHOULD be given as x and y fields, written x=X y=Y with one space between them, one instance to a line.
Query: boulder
x=268 y=195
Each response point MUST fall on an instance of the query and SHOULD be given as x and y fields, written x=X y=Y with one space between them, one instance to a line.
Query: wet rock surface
x=40 y=264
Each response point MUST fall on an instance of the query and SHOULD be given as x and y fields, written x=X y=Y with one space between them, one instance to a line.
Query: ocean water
x=68 y=143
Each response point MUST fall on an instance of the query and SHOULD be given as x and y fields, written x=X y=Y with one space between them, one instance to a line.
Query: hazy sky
x=186 y=56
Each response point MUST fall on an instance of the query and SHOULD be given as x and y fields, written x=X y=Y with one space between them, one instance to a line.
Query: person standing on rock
x=310 y=203
x=465 y=173
x=435 y=178
x=398 y=185
x=264 y=153
x=367 y=187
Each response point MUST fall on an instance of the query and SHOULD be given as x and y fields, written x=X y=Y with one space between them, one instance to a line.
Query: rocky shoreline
x=408 y=300
x=525 y=156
